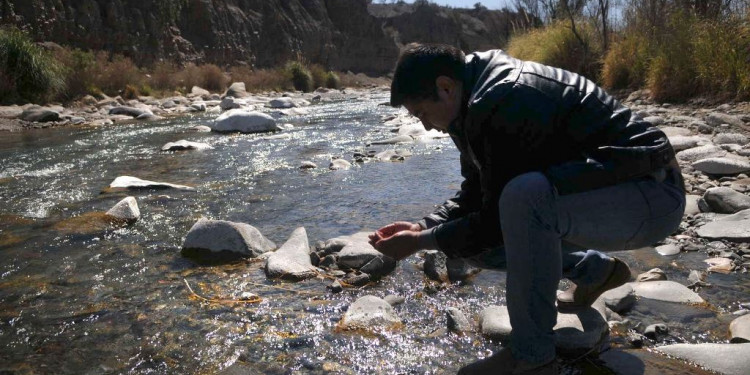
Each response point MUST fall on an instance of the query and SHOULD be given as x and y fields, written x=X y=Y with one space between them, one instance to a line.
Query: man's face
x=438 y=114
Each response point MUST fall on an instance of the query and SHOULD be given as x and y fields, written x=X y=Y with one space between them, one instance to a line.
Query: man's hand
x=397 y=240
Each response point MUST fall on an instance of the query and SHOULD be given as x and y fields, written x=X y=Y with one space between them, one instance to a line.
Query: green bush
x=332 y=80
x=318 y=74
x=556 y=45
x=27 y=72
x=301 y=77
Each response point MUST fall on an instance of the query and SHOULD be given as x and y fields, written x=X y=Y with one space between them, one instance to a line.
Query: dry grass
x=257 y=80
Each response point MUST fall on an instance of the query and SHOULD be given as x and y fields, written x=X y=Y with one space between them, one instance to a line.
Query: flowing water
x=80 y=300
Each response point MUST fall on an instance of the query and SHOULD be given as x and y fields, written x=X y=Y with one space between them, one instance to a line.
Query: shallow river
x=91 y=302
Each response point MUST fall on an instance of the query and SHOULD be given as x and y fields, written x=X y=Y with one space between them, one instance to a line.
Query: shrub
x=626 y=62
x=556 y=45
x=130 y=92
x=208 y=76
x=300 y=76
x=164 y=76
x=260 y=79
x=113 y=73
x=332 y=80
x=721 y=55
x=318 y=74
x=27 y=71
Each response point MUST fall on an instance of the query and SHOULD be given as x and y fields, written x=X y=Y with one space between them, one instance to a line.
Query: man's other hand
x=400 y=245
x=391 y=229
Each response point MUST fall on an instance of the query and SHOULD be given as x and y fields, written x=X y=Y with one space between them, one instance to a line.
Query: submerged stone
x=370 y=313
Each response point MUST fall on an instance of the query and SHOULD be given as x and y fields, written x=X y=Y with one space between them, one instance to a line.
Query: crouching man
x=553 y=166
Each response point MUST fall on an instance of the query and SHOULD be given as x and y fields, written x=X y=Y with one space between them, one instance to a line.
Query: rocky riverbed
x=232 y=239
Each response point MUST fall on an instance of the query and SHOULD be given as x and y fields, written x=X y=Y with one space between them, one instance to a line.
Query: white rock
x=672 y=131
x=370 y=313
x=126 y=209
x=237 y=90
x=308 y=165
x=668 y=249
x=700 y=152
x=681 y=142
x=721 y=265
x=217 y=238
x=292 y=260
x=129 y=182
x=726 y=359
x=739 y=329
x=185 y=145
x=238 y=120
x=668 y=291
x=200 y=128
x=337 y=164
x=394 y=140
x=722 y=166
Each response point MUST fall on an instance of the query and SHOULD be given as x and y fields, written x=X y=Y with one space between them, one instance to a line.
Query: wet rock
x=39 y=114
x=237 y=90
x=338 y=164
x=435 y=266
x=721 y=265
x=284 y=102
x=653 y=331
x=198 y=107
x=727 y=359
x=619 y=299
x=739 y=329
x=730 y=138
x=292 y=260
x=308 y=165
x=394 y=300
x=392 y=155
x=722 y=166
x=129 y=182
x=356 y=278
x=734 y=227
x=654 y=274
x=230 y=103
x=370 y=313
x=394 y=140
x=668 y=249
x=700 y=152
x=126 y=209
x=356 y=251
x=87 y=224
x=717 y=119
x=238 y=120
x=149 y=117
x=460 y=270
x=185 y=145
x=668 y=291
x=277 y=136
x=574 y=333
x=200 y=128
x=218 y=240
x=379 y=266
x=130 y=111
x=457 y=321
x=328 y=261
x=336 y=287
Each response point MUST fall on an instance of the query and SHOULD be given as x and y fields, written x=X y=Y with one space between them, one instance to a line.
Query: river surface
x=86 y=301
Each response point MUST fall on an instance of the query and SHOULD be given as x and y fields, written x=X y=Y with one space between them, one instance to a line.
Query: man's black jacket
x=521 y=116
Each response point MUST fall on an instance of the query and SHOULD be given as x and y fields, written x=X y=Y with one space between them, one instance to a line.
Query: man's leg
x=535 y=221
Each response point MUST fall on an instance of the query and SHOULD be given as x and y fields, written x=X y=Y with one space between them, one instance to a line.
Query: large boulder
x=185 y=145
x=213 y=241
x=292 y=260
x=725 y=200
x=726 y=359
x=721 y=165
x=238 y=120
x=126 y=209
x=129 y=182
x=39 y=114
x=237 y=90
x=370 y=313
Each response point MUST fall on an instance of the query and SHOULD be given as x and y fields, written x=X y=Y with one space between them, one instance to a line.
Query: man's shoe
x=580 y=297
x=503 y=363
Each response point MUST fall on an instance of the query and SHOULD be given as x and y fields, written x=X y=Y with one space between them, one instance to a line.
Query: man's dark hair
x=418 y=67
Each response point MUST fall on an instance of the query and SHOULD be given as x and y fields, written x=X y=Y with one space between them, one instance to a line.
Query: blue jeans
x=544 y=235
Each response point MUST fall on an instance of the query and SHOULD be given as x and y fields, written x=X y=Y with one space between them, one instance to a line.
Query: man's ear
x=445 y=84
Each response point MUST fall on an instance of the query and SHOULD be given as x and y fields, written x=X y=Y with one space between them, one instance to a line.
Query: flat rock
x=672 y=131
x=218 y=240
x=721 y=165
x=357 y=251
x=130 y=111
x=126 y=209
x=39 y=114
x=701 y=152
x=668 y=291
x=730 y=138
x=737 y=231
x=457 y=321
x=394 y=140
x=370 y=313
x=718 y=118
x=619 y=299
x=185 y=145
x=237 y=90
x=238 y=120
x=129 y=182
x=574 y=333
x=668 y=249
x=681 y=142
x=292 y=260
x=338 y=164
x=724 y=200
x=284 y=102
x=727 y=359
x=739 y=329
